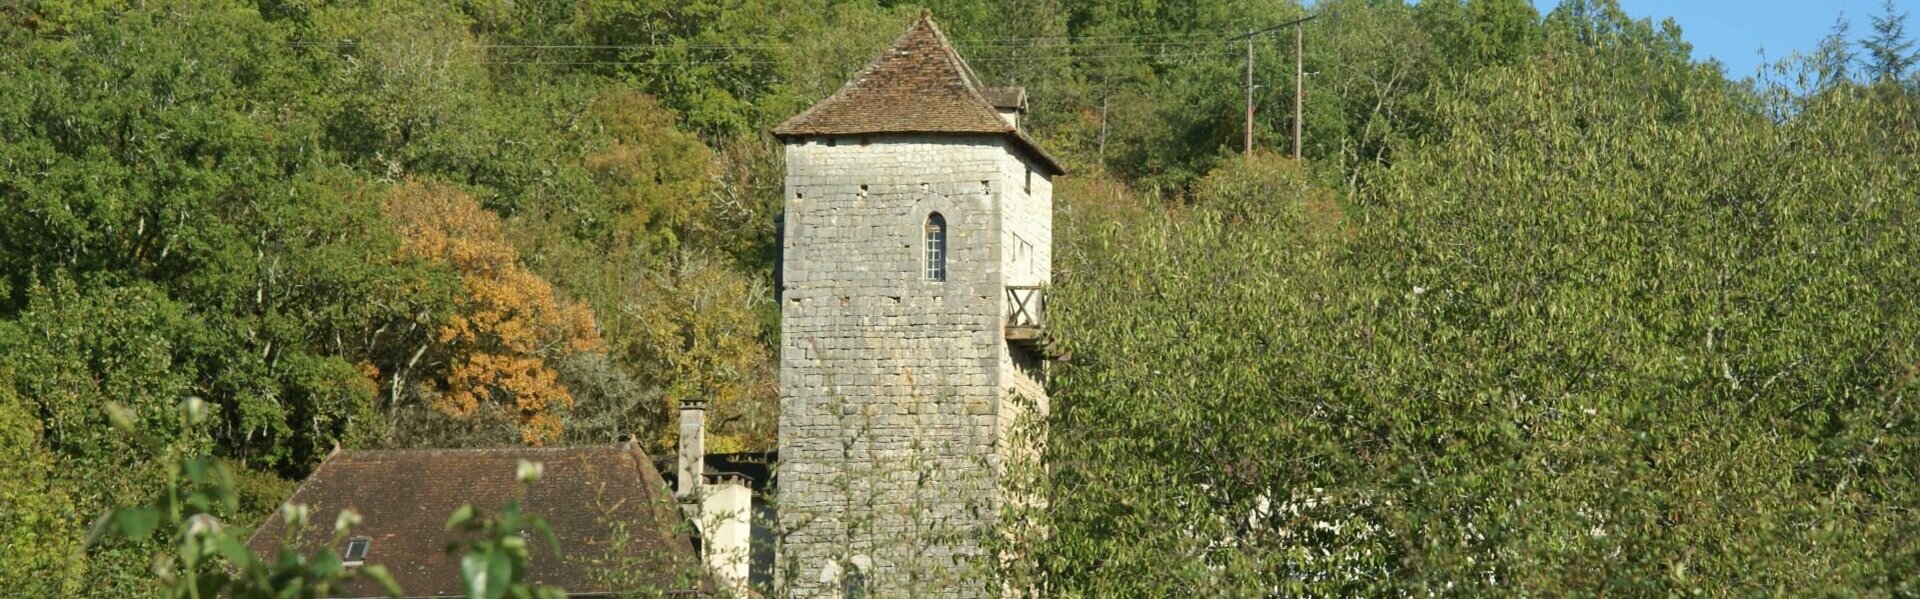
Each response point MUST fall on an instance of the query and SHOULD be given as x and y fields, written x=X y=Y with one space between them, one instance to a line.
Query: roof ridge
x=919 y=84
x=960 y=64
x=969 y=80
x=840 y=94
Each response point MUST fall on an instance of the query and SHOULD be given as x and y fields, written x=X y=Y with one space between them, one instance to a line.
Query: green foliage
x=1375 y=65
x=1890 y=53
x=1612 y=331
x=1271 y=192
x=1549 y=309
x=1476 y=33
x=199 y=555
x=70 y=353
x=1186 y=441
x=40 y=534
x=173 y=153
x=1174 y=108
x=1666 y=353
x=726 y=66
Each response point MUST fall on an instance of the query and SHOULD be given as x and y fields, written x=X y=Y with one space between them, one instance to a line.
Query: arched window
x=936 y=247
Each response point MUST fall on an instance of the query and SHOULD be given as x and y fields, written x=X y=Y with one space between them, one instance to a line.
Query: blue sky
x=1734 y=31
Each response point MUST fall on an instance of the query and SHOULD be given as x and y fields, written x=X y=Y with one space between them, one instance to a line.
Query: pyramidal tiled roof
x=919 y=84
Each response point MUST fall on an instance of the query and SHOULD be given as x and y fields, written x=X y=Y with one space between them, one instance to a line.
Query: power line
x=1115 y=36
x=742 y=47
x=990 y=42
x=1056 y=47
x=774 y=62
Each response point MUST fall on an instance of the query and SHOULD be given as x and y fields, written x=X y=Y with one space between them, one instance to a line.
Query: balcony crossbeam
x=1026 y=315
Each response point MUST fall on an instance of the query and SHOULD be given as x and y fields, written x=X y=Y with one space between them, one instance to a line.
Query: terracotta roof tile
x=919 y=84
x=405 y=496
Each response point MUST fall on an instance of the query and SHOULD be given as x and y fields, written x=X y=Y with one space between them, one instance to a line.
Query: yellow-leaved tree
x=701 y=333
x=509 y=325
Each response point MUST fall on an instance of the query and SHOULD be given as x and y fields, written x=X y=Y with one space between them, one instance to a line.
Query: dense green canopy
x=1548 y=308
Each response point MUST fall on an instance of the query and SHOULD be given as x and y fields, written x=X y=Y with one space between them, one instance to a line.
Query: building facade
x=916 y=241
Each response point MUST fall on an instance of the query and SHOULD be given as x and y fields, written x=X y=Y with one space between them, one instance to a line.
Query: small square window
x=357 y=550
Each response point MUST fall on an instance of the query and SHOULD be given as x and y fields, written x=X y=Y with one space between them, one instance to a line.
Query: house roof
x=919 y=84
x=1006 y=98
x=405 y=496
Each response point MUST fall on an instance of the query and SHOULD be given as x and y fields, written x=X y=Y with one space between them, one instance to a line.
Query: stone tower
x=916 y=236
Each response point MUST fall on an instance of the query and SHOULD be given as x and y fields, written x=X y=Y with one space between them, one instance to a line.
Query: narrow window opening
x=936 y=247
x=1028 y=187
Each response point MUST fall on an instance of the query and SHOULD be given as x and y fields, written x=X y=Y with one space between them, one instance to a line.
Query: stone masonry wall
x=1026 y=216
x=892 y=386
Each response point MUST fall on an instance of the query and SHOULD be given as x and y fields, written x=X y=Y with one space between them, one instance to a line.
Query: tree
x=177 y=150
x=658 y=180
x=1476 y=33
x=1833 y=60
x=1375 y=63
x=711 y=61
x=1536 y=364
x=508 y=323
x=39 y=525
x=1890 y=53
x=701 y=337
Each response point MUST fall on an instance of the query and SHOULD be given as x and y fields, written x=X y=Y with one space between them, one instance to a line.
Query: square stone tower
x=916 y=242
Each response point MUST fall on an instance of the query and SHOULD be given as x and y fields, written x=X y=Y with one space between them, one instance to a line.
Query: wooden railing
x=1026 y=313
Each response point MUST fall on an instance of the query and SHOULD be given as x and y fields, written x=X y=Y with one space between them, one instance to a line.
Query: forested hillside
x=1548 y=307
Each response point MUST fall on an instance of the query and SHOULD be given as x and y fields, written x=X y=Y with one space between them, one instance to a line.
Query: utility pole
x=1299 y=88
x=1299 y=95
x=1246 y=149
x=1103 y=130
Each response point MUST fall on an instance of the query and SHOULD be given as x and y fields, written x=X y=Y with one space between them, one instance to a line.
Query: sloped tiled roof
x=405 y=496
x=1006 y=98
x=919 y=84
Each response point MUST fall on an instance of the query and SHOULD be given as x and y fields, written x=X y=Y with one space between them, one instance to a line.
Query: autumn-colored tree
x=700 y=331
x=509 y=324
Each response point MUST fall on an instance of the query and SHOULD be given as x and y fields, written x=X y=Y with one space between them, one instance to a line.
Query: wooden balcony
x=1026 y=316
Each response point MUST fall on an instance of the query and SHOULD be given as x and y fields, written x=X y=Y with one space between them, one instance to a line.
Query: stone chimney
x=693 y=447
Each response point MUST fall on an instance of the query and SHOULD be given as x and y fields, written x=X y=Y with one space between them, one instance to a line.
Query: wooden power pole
x=1299 y=88
x=1299 y=74
x=1246 y=148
